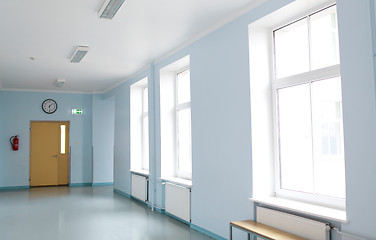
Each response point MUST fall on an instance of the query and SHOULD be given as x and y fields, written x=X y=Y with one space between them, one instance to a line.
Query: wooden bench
x=261 y=230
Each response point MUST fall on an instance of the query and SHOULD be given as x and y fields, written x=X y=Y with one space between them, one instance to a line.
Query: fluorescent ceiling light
x=59 y=83
x=110 y=8
x=79 y=53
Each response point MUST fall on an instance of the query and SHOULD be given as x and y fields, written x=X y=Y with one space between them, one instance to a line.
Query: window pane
x=145 y=143
x=184 y=89
x=295 y=138
x=324 y=39
x=328 y=138
x=184 y=141
x=292 y=49
x=145 y=99
x=62 y=139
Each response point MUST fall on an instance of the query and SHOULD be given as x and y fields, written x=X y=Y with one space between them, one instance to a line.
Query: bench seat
x=261 y=230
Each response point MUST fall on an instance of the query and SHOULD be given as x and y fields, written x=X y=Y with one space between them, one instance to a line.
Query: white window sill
x=178 y=181
x=144 y=173
x=304 y=208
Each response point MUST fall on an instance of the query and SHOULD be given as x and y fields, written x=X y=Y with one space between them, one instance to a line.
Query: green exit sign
x=77 y=111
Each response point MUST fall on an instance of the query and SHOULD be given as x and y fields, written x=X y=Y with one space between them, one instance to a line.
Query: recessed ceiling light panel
x=79 y=53
x=110 y=8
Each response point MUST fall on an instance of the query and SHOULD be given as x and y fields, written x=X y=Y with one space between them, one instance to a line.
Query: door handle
x=55 y=156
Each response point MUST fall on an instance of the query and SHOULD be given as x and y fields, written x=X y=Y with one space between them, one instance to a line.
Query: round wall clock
x=49 y=106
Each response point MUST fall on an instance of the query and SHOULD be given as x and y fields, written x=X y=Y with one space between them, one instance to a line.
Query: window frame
x=309 y=77
x=179 y=107
x=144 y=115
x=63 y=139
x=137 y=116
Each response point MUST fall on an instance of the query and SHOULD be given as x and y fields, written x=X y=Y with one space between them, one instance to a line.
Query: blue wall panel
x=103 y=139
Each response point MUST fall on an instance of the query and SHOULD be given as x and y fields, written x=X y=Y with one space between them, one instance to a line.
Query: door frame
x=68 y=146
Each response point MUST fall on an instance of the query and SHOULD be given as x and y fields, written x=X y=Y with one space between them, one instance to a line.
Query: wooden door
x=48 y=153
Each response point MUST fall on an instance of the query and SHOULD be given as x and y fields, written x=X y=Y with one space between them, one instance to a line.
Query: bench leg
x=230 y=232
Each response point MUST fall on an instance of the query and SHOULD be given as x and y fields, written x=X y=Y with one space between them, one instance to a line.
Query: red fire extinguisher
x=14 y=142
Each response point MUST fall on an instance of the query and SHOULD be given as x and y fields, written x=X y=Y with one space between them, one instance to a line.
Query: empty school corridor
x=213 y=112
x=80 y=213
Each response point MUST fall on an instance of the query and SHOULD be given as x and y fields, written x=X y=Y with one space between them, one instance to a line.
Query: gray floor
x=92 y=213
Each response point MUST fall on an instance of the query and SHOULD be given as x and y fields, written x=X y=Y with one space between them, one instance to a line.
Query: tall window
x=175 y=115
x=183 y=125
x=139 y=126
x=308 y=104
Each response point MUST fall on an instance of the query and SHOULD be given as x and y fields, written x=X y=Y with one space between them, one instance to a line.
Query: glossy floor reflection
x=80 y=213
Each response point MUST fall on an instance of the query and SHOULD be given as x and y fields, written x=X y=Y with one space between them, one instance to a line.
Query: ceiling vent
x=59 y=83
x=79 y=53
x=110 y=8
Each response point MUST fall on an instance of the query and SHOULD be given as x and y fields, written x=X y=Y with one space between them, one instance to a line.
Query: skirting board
x=14 y=188
x=79 y=184
x=206 y=232
x=162 y=211
x=102 y=184
x=177 y=218
x=70 y=185
x=90 y=184
x=122 y=193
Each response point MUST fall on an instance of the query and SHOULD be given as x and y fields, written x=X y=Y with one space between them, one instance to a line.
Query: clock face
x=49 y=106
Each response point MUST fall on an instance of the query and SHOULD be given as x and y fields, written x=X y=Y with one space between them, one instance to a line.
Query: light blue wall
x=1 y=125
x=103 y=139
x=121 y=94
x=359 y=109
x=121 y=138
x=18 y=109
x=221 y=134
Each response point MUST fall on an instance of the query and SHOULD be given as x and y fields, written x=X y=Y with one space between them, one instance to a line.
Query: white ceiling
x=141 y=32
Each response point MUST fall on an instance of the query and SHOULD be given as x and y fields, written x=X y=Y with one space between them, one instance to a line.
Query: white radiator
x=139 y=187
x=300 y=226
x=178 y=201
